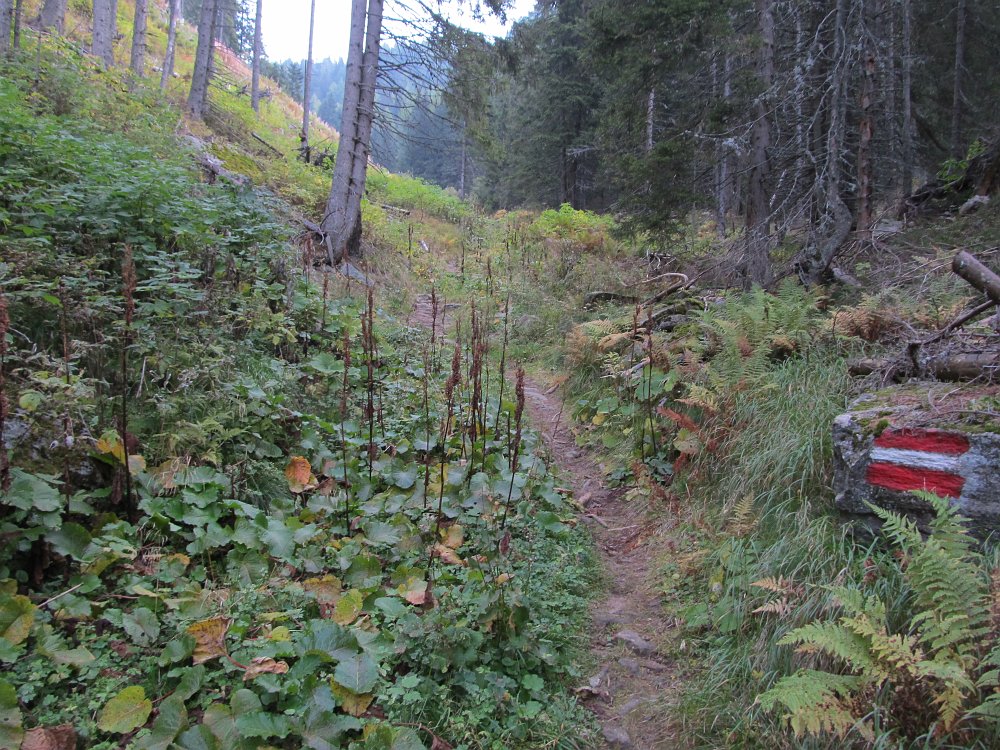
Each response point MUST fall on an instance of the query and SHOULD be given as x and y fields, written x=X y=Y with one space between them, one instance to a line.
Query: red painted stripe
x=932 y=441
x=905 y=478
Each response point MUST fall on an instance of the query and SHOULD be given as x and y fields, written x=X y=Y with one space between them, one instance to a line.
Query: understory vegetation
x=250 y=502
x=245 y=507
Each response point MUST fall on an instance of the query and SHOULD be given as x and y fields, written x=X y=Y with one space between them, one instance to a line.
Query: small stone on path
x=616 y=736
x=636 y=642
x=629 y=665
x=630 y=706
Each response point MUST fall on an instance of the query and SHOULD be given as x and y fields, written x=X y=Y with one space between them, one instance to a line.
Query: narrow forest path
x=633 y=690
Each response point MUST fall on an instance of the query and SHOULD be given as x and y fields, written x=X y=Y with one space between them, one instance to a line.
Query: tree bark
x=907 y=167
x=137 y=61
x=650 y=117
x=337 y=224
x=756 y=265
x=956 y=100
x=866 y=133
x=105 y=27
x=168 y=57
x=18 y=14
x=53 y=15
x=198 y=95
x=307 y=86
x=366 y=118
x=835 y=223
x=257 y=52
x=6 y=22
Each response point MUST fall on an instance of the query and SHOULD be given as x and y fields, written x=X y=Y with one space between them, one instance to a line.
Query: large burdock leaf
x=142 y=626
x=299 y=475
x=170 y=720
x=357 y=673
x=17 y=615
x=210 y=638
x=125 y=712
x=11 y=732
x=62 y=737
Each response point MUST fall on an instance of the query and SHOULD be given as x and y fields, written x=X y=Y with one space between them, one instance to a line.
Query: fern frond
x=834 y=639
x=814 y=701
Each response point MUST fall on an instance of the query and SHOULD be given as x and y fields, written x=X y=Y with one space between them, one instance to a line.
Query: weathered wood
x=949 y=367
x=261 y=140
x=978 y=275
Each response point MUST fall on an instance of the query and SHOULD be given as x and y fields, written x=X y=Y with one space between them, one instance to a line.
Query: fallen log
x=983 y=366
x=261 y=140
x=978 y=275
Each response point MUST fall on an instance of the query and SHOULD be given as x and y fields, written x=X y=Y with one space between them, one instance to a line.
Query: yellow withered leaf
x=264 y=665
x=299 y=475
x=111 y=443
x=353 y=703
x=448 y=555
x=415 y=591
x=325 y=588
x=454 y=536
x=210 y=638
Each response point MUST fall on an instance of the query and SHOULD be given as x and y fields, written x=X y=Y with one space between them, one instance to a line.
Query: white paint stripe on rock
x=918 y=459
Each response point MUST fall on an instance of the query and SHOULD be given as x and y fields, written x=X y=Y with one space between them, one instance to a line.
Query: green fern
x=940 y=649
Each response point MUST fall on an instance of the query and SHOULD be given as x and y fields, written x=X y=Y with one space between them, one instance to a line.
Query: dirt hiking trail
x=633 y=689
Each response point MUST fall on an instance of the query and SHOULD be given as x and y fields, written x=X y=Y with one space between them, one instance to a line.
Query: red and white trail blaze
x=911 y=459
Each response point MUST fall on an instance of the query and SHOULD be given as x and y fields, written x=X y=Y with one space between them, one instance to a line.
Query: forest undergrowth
x=248 y=506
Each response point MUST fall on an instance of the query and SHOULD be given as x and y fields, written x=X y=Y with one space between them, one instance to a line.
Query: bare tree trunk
x=366 y=118
x=137 y=61
x=198 y=95
x=756 y=265
x=6 y=22
x=650 y=113
x=53 y=15
x=463 y=166
x=307 y=86
x=105 y=27
x=956 y=100
x=835 y=223
x=168 y=57
x=337 y=224
x=257 y=52
x=866 y=133
x=907 y=166
x=18 y=14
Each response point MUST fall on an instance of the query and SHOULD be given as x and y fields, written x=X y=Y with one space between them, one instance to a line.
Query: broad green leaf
x=170 y=720
x=262 y=725
x=70 y=539
x=125 y=712
x=201 y=738
x=11 y=731
x=142 y=626
x=357 y=673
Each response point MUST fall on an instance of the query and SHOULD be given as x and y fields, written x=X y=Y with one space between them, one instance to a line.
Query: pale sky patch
x=285 y=26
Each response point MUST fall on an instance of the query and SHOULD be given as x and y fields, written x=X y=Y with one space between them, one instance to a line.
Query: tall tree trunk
x=835 y=222
x=6 y=23
x=257 y=52
x=906 y=176
x=756 y=265
x=18 y=15
x=956 y=95
x=137 y=61
x=198 y=95
x=337 y=224
x=307 y=85
x=366 y=119
x=650 y=113
x=866 y=133
x=464 y=163
x=53 y=15
x=168 y=57
x=102 y=43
